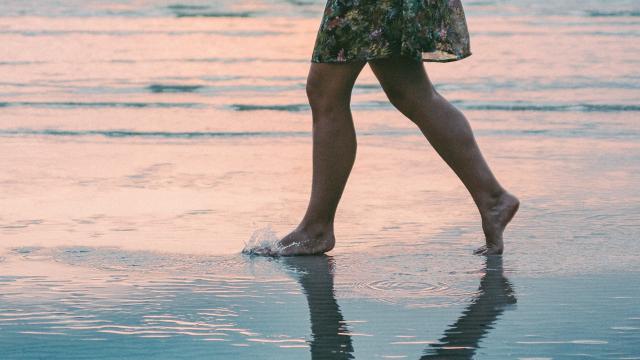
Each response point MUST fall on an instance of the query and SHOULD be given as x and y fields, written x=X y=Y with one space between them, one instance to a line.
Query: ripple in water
x=407 y=287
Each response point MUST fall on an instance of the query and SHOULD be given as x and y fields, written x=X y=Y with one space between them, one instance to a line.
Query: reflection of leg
x=330 y=338
x=462 y=338
x=334 y=149
x=408 y=87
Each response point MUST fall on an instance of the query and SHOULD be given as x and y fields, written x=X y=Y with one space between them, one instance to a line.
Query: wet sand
x=144 y=143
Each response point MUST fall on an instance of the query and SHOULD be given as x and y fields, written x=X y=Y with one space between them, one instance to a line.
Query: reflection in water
x=330 y=337
x=331 y=340
x=462 y=338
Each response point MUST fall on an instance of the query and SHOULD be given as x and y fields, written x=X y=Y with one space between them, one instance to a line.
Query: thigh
x=401 y=76
x=333 y=79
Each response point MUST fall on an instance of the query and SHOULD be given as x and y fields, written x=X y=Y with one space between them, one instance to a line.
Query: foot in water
x=301 y=241
x=494 y=220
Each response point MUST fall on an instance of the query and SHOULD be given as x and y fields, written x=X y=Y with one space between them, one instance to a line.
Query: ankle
x=489 y=200
x=316 y=229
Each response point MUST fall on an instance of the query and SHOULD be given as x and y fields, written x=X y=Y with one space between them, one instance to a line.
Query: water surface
x=144 y=142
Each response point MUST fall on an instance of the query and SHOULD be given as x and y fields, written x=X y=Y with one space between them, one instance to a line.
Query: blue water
x=143 y=142
x=293 y=308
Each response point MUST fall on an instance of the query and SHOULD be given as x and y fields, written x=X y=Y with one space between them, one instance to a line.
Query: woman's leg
x=334 y=149
x=409 y=89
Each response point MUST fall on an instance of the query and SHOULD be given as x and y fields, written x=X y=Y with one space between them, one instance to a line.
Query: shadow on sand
x=331 y=338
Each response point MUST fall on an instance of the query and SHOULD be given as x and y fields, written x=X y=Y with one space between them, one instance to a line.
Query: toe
x=259 y=251
x=482 y=250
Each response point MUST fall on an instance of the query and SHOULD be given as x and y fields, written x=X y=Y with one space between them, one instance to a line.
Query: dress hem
x=423 y=59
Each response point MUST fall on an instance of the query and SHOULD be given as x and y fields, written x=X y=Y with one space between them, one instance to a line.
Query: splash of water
x=263 y=241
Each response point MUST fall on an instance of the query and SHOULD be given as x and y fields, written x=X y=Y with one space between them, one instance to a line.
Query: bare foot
x=494 y=220
x=301 y=241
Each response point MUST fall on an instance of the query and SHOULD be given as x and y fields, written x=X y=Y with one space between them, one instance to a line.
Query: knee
x=314 y=91
x=324 y=97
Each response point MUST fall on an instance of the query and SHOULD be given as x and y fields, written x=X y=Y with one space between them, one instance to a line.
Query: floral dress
x=427 y=30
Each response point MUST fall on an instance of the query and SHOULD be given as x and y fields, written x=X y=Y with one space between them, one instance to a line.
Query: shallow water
x=144 y=143
x=293 y=308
